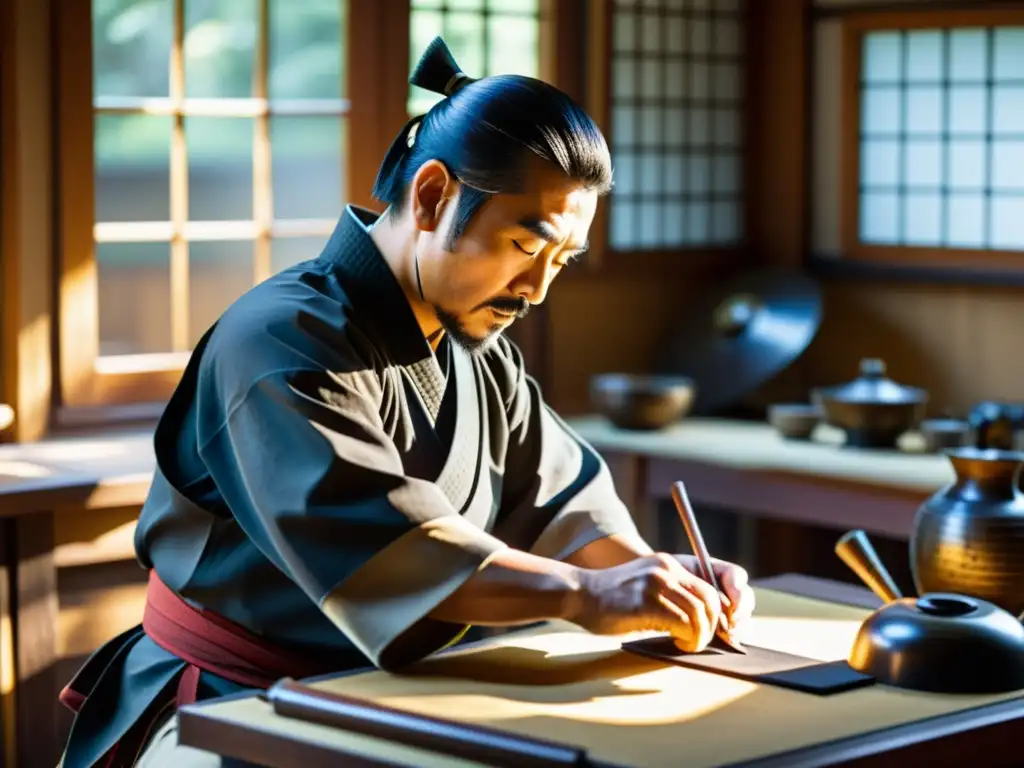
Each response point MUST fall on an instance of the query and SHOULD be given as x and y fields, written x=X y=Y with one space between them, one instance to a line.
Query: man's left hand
x=738 y=604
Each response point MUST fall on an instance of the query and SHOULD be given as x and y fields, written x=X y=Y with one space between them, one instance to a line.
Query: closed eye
x=528 y=253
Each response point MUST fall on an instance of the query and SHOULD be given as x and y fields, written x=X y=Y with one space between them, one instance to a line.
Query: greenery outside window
x=214 y=156
x=487 y=37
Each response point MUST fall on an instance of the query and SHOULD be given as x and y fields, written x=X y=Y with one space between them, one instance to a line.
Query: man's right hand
x=650 y=593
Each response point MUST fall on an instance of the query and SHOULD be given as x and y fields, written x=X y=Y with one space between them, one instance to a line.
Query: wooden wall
x=960 y=342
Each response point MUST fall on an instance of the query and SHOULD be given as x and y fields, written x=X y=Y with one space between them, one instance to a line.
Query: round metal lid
x=741 y=334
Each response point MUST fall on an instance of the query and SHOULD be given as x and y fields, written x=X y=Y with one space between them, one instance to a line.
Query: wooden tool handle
x=854 y=548
x=682 y=502
x=471 y=742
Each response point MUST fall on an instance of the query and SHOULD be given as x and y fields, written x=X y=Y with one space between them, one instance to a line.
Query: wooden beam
x=26 y=214
x=776 y=130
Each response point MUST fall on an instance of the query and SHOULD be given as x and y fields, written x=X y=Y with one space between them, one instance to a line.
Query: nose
x=533 y=283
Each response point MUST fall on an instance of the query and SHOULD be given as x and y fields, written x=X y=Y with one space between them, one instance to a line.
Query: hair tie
x=455 y=82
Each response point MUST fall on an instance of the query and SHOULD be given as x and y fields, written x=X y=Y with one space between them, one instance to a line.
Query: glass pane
x=624 y=84
x=306 y=59
x=415 y=4
x=879 y=218
x=308 y=168
x=675 y=233
x=700 y=174
x=650 y=225
x=922 y=215
x=623 y=124
x=424 y=26
x=968 y=110
x=965 y=221
x=727 y=127
x=1008 y=108
x=466 y=5
x=880 y=163
x=651 y=173
x=700 y=81
x=464 y=33
x=1008 y=61
x=651 y=79
x=675 y=79
x=220 y=45
x=968 y=53
x=881 y=55
x=650 y=35
x=699 y=128
x=133 y=168
x=624 y=32
x=727 y=37
x=727 y=82
x=923 y=164
x=924 y=110
x=134 y=287
x=726 y=174
x=925 y=58
x=966 y=165
x=1008 y=166
x=725 y=222
x=700 y=224
x=621 y=228
x=700 y=36
x=881 y=111
x=675 y=35
x=675 y=128
x=218 y=273
x=674 y=175
x=514 y=6
x=219 y=168
x=625 y=174
x=514 y=47
x=1007 y=217
x=288 y=251
x=131 y=47
x=650 y=126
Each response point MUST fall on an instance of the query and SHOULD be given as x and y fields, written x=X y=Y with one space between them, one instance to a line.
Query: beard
x=475 y=345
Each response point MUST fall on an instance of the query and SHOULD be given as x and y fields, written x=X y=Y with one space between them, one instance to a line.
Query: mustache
x=518 y=306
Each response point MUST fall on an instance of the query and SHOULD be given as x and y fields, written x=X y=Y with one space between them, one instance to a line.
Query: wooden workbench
x=747 y=466
x=71 y=476
x=739 y=465
x=560 y=684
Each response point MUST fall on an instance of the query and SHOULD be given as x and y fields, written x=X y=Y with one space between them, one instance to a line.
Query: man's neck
x=397 y=244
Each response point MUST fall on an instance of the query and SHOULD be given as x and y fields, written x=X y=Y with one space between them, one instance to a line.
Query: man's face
x=507 y=257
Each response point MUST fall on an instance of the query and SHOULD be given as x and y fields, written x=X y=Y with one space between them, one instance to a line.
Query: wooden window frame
x=602 y=261
x=87 y=392
x=855 y=26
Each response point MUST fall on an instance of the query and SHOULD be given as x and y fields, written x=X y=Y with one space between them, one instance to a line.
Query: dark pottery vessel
x=997 y=425
x=638 y=402
x=872 y=410
x=940 y=434
x=939 y=642
x=968 y=538
x=794 y=421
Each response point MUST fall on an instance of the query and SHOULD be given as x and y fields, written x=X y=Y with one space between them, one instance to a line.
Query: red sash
x=207 y=642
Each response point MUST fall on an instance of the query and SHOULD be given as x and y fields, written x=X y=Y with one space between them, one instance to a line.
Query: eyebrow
x=545 y=230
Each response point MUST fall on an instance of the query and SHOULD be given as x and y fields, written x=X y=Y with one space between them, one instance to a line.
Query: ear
x=432 y=188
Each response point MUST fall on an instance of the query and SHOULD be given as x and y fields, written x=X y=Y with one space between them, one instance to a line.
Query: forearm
x=609 y=551
x=514 y=587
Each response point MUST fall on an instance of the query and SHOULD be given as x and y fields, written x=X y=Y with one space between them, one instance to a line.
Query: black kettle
x=939 y=642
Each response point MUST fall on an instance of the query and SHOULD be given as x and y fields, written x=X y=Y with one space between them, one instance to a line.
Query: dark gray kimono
x=325 y=480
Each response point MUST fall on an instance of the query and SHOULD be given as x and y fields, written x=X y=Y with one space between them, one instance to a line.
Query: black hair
x=484 y=131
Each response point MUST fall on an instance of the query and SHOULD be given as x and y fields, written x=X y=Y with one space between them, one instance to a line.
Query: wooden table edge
x=197 y=728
